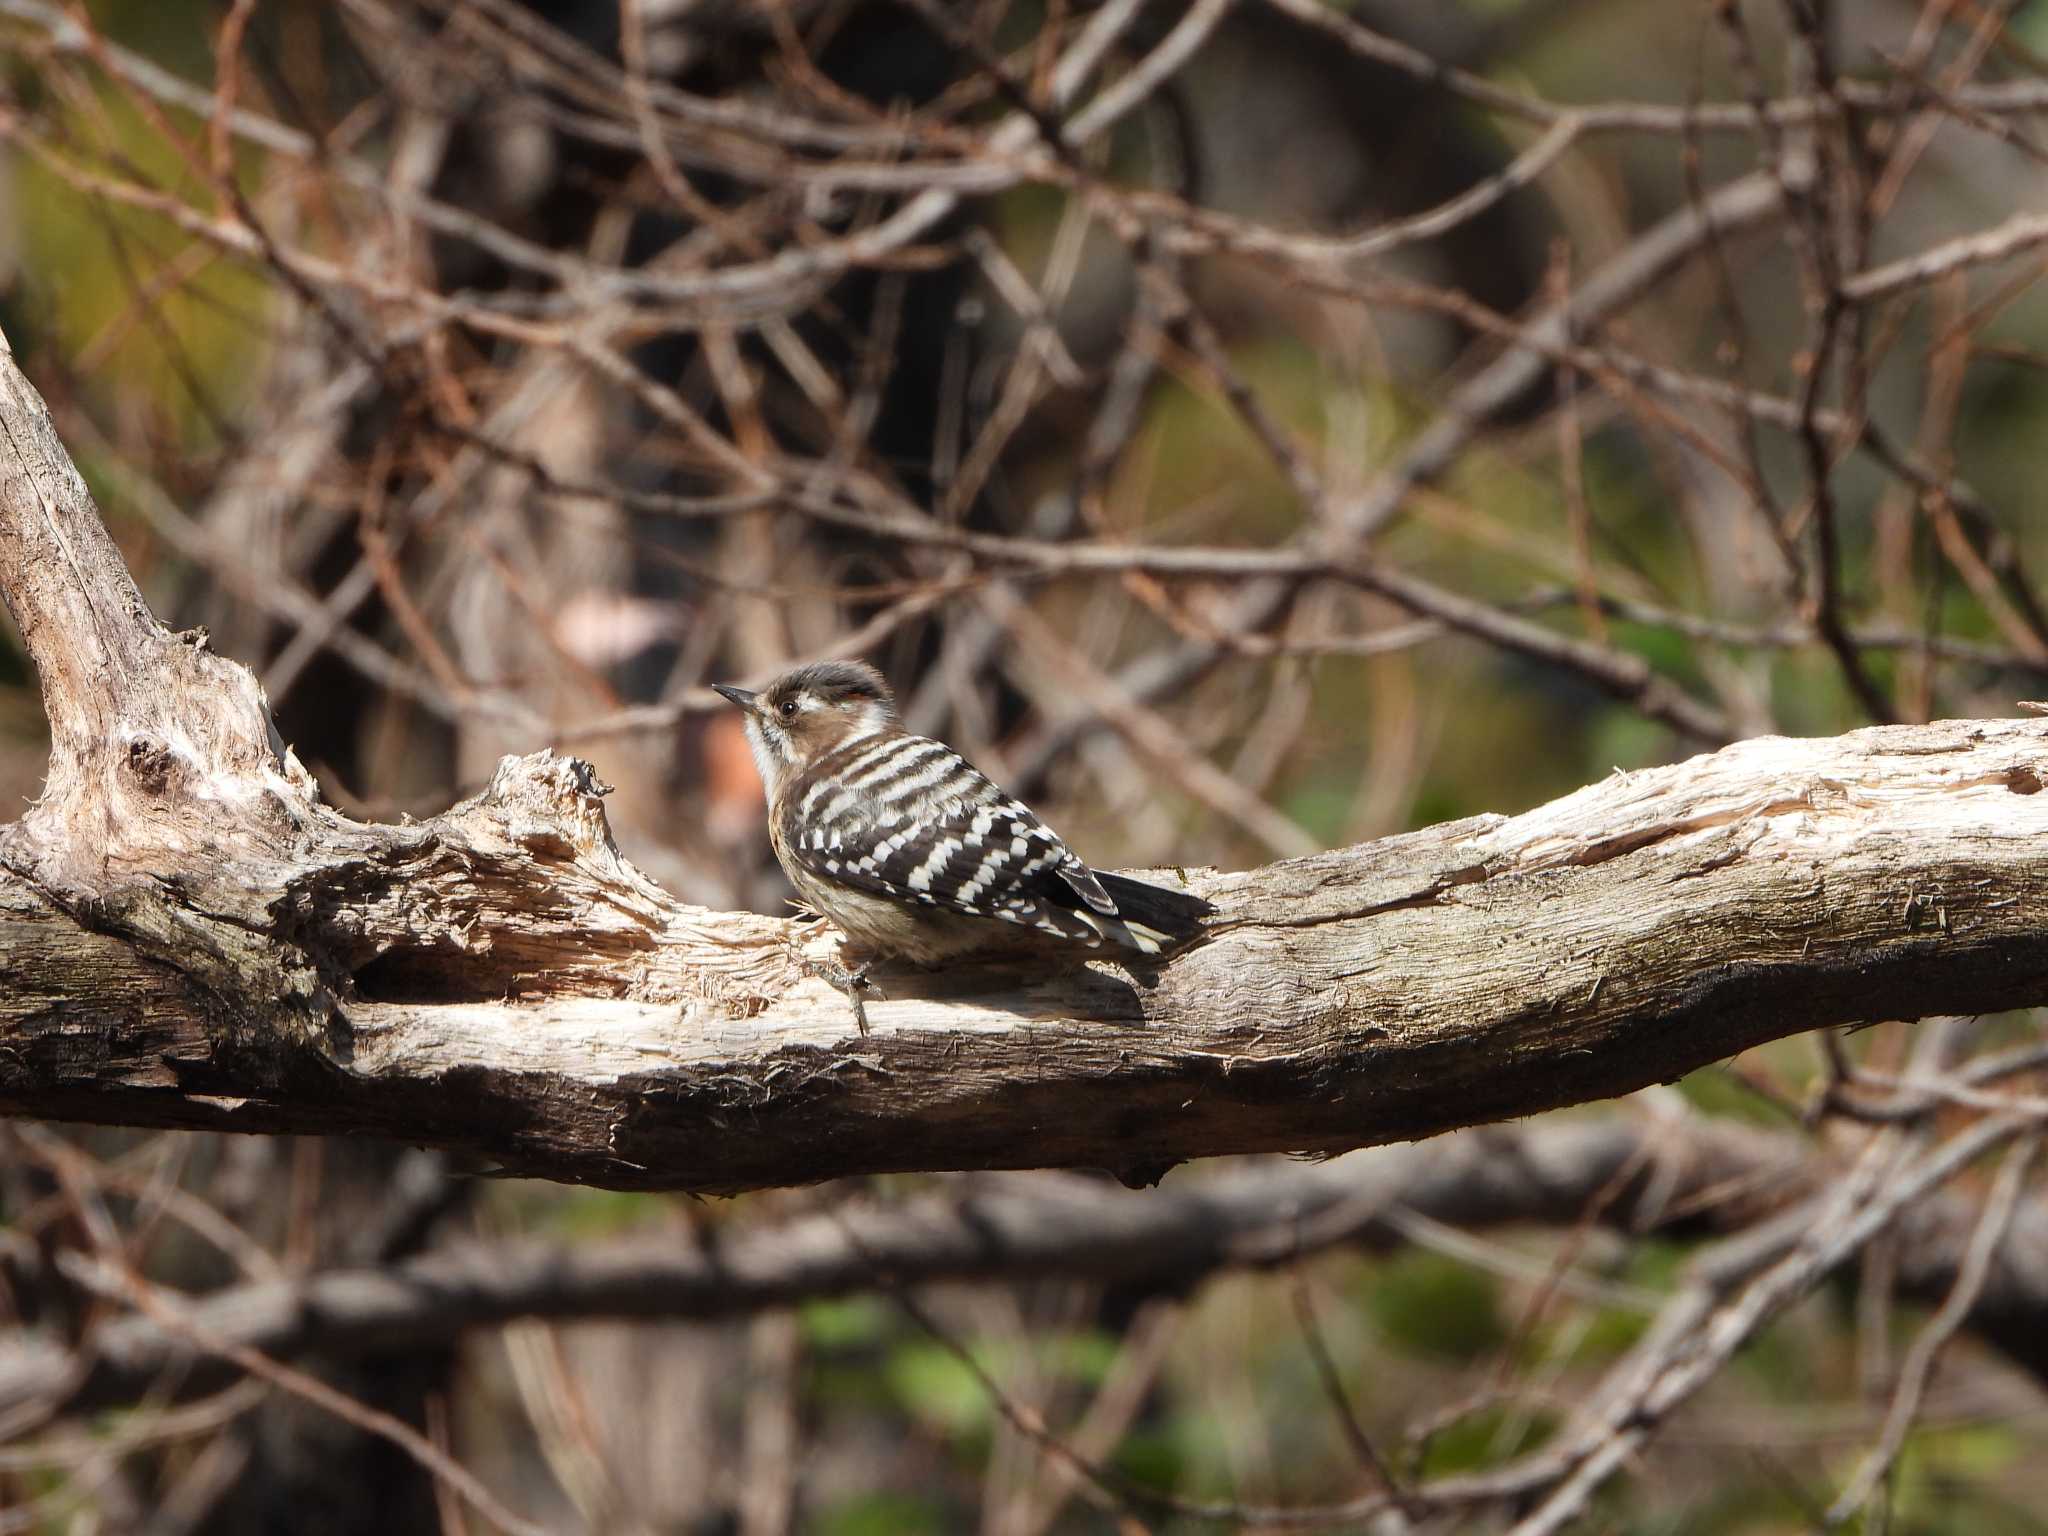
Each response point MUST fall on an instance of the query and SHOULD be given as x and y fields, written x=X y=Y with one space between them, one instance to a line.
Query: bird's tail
x=1149 y=918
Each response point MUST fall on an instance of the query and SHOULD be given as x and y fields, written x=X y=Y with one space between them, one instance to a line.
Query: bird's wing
x=938 y=832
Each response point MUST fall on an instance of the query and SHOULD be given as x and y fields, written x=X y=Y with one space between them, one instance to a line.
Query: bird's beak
x=743 y=697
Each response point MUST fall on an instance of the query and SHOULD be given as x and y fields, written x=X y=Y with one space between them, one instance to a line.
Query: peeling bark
x=188 y=937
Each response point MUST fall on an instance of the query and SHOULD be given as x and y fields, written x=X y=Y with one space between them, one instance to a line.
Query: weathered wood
x=188 y=937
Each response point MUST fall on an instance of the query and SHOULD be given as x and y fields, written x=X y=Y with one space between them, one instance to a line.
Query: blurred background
x=1244 y=428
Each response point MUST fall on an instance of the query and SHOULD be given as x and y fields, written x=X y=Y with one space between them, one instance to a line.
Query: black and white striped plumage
x=910 y=849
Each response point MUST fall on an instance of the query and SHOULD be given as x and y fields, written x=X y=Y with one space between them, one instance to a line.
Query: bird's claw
x=852 y=982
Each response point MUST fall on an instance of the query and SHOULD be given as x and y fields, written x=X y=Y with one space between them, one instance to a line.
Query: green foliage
x=1749 y=1506
x=1199 y=453
x=1671 y=653
x=883 y=1514
x=1607 y=1335
x=586 y=1213
x=1944 y=1476
x=1776 y=1364
x=1083 y=1357
x=172 y=324
x=854 y=1386
x=1716 y=1090
x=1430 y=1305
x=1597 y=1335
x=845 y=1323
x=938 y=1391
x=1154 y=1457
x=1322 y=805
x=1489 y=1434
x=1620 y=738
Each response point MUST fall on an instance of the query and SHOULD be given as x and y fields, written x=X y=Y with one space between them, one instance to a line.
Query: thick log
x=191 y=938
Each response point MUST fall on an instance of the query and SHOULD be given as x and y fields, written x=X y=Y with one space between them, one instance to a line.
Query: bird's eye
x=787 y=708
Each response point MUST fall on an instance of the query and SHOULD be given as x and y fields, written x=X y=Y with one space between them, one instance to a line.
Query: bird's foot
x=853 y=982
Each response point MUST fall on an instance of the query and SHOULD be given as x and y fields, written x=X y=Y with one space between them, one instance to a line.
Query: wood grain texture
x=188 y=937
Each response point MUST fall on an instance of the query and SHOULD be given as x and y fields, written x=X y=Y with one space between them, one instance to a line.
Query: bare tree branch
x=1658 y=1172
x=193 y=939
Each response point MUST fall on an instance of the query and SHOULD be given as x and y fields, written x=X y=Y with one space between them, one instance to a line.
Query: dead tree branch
x=1674 y=1171
x=192 y=939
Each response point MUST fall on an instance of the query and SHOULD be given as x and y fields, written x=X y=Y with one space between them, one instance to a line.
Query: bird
x=910 y=850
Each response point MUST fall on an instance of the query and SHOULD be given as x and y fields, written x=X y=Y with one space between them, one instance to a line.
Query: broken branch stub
x=174 y=817
x=161 y=753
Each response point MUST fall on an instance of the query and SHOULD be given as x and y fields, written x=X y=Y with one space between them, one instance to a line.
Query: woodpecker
x=909 y=849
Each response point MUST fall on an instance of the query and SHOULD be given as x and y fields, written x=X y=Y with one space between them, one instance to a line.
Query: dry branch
x=191 y=938
x=1642 y=1173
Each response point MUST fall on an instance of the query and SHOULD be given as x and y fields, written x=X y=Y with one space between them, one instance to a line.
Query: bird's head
x=807 y=712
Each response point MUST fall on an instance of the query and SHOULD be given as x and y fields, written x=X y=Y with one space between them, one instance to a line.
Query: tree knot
x=150 y=763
